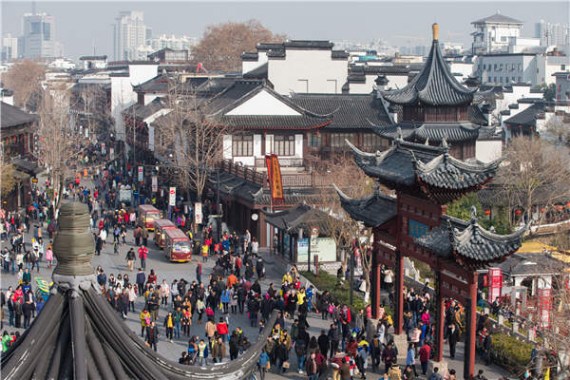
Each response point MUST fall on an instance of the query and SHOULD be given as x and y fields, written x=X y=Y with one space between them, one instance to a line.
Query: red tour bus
x=159 y=226
x=177 y=246
x=147 y=215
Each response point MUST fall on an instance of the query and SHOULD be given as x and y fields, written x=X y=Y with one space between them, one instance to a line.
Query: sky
x=81 y=25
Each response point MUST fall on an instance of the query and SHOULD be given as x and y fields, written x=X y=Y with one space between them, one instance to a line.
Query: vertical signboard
x=198 y=217
x=544 y=306
x=154 y=184
x=111 y=154
x=495 y=283
x=172 y=196
x=141 y=173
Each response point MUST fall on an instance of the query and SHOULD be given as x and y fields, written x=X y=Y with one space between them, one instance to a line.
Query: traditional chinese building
x=425 y=178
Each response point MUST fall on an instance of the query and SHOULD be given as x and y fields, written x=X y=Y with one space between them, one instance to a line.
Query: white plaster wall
x=263 y=103
x=324 y=74
x=488 y=150
x=464 y=68
x=299 y=146
x=122 y=96
x=149 y=98
x=257 y=146
x=227 y=147
x=268 y=143
x=141 y=73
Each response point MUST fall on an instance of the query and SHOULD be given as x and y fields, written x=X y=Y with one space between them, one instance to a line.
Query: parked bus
x=147 y=215
x=177 y=246
x=160 y=225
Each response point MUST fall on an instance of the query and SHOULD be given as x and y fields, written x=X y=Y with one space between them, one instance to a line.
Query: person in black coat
x=152 y=335
x=452 y=338
x=324 y=343
x=27 y=310
x=234 y=346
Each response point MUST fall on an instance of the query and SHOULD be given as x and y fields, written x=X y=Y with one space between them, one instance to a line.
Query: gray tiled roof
x=434 y=85
x=349 y=112
x=373 y=211
x=528 y=116
x=498 y=18
x=300 y=217
x=537 y=264
x=448 y=172
x=435 y=133
x=13 y=116
x=469 y=243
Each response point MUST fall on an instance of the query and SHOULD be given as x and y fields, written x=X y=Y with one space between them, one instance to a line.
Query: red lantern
x=543 y=210
x=487 y=212
x=518 y=212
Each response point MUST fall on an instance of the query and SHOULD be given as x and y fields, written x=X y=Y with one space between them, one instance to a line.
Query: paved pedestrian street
x=275 y=268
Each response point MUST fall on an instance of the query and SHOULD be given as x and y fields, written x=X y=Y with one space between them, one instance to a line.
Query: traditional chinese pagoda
x=435 y=106
x=78 y=335
x=425 y=178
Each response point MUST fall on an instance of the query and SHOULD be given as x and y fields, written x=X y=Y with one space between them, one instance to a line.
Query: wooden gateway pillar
x=375 y=282
x=471 y=323
x=439 y=318
x=399 y=294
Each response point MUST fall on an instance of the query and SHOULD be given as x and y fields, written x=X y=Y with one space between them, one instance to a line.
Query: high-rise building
x=494 y=34
x=38 y=38
x=9 y=47
x=552 y=34
x=130 y=33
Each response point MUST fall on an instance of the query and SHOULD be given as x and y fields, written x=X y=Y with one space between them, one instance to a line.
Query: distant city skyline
x=87 y=27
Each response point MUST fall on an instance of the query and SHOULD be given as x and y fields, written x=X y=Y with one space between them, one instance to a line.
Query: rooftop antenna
x=94 y=48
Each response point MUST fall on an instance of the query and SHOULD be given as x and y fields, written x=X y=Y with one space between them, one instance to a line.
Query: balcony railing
x=290 y=180
x=284 y=162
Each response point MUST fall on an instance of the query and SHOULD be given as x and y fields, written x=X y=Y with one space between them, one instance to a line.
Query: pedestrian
x=143 y=254
x=202 y=353
x=141 y=279
x=411 y=358
x=131 y=259
x=263 y=364
x=199 y=273
x=169 y=326
x=49 y=256
x=152 y=336
x=425 y=355
x=452 y=338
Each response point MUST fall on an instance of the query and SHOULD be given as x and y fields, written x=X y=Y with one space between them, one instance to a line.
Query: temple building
x=425 y=177
x=435 y=106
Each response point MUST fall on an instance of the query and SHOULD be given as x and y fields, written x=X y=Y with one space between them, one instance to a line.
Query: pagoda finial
x=435 y=31
x=73 y=244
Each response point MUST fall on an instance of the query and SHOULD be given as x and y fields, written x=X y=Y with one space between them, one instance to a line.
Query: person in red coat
x=222 y=329
x=143 y=254
x=425 y=355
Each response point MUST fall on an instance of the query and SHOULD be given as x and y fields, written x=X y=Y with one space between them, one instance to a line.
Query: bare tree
x=59 y=142
x=535 y=175
x=221 y=45
x=348 y=234
x=24 y=78
x=192 y=137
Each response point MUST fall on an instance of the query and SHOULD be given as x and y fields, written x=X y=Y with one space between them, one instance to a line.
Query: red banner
x=274 y=177
x=544 y=306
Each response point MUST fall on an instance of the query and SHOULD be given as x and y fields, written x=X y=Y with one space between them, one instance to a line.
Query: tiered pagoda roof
x=78 y=335
x=409 y=166
x=435 y=85
x=431 y=132
x=469 y=244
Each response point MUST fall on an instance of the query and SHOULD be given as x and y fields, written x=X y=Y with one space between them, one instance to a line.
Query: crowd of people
x=200 y=311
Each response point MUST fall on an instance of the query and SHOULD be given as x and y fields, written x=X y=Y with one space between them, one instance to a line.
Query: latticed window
x=338 y=139
x=284 y=145
x=242 y=145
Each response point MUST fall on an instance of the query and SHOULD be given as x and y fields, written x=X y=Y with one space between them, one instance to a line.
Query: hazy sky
x=80 y=24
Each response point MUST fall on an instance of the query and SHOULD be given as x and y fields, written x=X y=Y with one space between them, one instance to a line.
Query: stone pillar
x=399 y=295
x=471 y=325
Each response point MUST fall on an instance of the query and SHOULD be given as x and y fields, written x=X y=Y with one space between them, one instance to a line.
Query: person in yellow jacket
x=145 y=320
x=287 y=278
x=169 y=325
